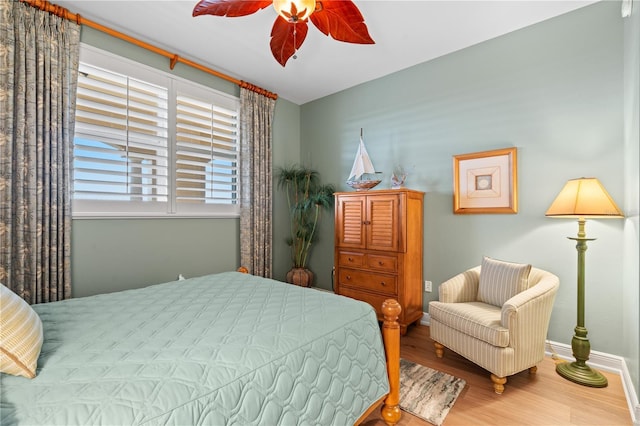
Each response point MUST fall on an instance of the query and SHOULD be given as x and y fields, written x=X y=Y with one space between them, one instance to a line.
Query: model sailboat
x=361 y=166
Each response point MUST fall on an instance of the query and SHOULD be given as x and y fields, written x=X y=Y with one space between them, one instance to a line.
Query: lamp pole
x=578 y=371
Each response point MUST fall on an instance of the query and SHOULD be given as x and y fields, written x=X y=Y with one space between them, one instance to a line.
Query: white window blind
x=120 y=147
x=147 y=143
x=206 y=152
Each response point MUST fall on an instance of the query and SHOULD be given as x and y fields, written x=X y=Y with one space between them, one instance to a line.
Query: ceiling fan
x=339 y=19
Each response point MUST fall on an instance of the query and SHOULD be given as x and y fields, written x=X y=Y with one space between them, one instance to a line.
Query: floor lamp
x=583 y=198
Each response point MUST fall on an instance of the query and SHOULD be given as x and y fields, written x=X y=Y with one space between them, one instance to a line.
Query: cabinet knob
x=382 y=283
x=351 y=259
x=366 y=222
x=380 y=262
x=348 y=277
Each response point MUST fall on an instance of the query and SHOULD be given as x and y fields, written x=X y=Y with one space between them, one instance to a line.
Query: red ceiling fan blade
x=286 y=38
x=231 y=8
x=342 y=20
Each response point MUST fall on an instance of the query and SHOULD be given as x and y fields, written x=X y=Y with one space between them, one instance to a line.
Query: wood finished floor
x=544 y=398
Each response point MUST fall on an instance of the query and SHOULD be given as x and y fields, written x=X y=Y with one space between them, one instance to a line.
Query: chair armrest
x=461 y=288
x=527 y=314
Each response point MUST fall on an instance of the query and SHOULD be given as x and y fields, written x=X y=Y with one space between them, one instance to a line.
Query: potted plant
x=306 y=198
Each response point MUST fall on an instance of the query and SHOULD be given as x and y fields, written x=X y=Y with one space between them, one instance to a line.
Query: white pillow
x=20 y=335
x=500 y=281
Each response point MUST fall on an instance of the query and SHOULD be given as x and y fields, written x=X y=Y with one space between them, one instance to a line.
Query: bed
x=227 y=348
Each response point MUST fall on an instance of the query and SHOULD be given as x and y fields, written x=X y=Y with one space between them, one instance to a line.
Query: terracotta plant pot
x=300 y=276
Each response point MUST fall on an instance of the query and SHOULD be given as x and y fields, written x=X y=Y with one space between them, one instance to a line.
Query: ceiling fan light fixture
x=294 y=10
x=339 y=19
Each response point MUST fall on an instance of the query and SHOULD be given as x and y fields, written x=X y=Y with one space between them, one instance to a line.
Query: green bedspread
x=227 y=348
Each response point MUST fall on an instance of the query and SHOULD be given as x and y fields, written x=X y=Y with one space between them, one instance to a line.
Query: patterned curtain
x=256 y=117
x=38 y=70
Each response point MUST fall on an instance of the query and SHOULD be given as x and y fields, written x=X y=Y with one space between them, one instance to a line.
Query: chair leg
x=439 y=349
x=498 y=383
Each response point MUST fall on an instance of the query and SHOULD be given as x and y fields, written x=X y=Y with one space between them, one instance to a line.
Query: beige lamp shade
x=586 y=198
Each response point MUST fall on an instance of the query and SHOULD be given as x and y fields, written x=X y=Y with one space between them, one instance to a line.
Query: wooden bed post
x=391 y=336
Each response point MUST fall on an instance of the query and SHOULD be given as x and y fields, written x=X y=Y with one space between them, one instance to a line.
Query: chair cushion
x=500 y=281
x=20 y=335
x=476 y=319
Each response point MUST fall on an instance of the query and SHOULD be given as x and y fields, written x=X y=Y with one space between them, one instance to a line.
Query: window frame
x=177 y=86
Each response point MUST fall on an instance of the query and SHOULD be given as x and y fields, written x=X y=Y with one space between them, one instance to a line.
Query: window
x=149 y=144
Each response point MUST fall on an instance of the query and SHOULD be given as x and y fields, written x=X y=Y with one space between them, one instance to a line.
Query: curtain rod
x=173 y=58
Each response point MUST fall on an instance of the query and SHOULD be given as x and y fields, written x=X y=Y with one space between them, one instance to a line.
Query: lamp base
x=581 y=374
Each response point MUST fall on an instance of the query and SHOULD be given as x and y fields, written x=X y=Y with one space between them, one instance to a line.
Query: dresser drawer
x=382 y=263
x=360 y=280
x=349 y=258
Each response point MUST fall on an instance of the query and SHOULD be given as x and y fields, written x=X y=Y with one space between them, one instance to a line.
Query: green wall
x=553 y=90
x=119 y=254
x=631 y=292
x=115 y=254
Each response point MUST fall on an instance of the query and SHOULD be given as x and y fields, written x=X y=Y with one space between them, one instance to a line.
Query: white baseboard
x=632 y=396
x=599 y=360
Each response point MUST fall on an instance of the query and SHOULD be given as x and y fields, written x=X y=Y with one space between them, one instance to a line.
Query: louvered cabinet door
x=382 y=222
x=350 y=216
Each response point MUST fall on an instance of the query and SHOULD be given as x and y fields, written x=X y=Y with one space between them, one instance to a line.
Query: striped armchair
x=503 y=338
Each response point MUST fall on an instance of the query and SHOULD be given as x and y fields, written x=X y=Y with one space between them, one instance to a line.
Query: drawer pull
x=380 y=262
x=382 y=283
x=350 y=259
x=349 y=277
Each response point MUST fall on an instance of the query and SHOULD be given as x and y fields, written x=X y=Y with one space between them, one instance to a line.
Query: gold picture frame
x=486 y=182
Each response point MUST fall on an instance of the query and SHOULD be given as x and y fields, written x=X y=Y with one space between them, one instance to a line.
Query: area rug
x=427 y=393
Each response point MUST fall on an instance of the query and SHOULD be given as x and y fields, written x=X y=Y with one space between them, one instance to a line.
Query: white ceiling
x=406 y=33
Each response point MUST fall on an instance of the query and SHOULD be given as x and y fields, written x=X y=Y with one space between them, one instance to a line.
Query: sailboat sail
x=362 y=163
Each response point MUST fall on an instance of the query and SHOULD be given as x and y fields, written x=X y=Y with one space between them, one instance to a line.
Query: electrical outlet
x=427 y=286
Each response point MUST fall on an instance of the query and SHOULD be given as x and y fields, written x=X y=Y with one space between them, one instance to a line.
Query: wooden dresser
x=378 y=249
